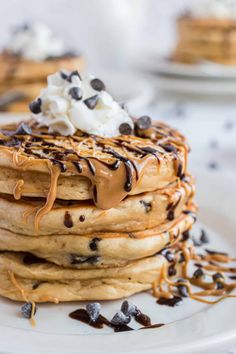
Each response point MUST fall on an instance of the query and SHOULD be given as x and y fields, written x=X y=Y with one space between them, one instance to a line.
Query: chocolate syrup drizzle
x=113 y=165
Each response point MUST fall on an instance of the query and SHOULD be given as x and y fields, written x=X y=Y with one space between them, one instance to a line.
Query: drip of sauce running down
x=114 y=166
x=170 y=292
x=82 y=316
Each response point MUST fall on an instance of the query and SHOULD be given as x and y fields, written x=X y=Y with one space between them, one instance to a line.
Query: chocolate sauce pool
x=82 y=316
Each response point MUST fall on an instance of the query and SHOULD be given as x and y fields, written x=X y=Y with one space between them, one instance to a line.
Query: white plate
x=205 y=70
x=189 y=328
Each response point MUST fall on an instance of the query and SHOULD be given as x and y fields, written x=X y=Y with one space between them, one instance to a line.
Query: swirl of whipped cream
x=70 y=102
x=35 y=42
x=219 y=9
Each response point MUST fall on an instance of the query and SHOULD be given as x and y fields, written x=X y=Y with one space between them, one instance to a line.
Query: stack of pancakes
x=212 y=39
x=89 y=218
x=21 y=79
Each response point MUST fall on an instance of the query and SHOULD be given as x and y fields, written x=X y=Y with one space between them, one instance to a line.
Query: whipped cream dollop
x=70 y=102
x=35 y=42
x=219 y=9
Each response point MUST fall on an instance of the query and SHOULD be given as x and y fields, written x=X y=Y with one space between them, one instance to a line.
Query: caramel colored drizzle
x=24 y=297
x=54 y=173
x=114 y=166
x=165 y=287
x=17 y=191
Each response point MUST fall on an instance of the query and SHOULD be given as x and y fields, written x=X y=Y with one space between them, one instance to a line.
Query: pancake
x=19 y=69
x=85 y=166
x=134 y=213
x=46 y=282
x=99 y=250
x=206 y=38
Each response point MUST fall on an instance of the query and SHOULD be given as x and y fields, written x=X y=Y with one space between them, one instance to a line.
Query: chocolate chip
x=143 y=122
x=35 y=106
x=181 y=258
x=171 y=215
x=97 y=85
x=171 y=270
x=129 y=309
x=27 y=309
x=125 y=129
x=76 y=93
x=73 y=73
x=68 y=222
x=213 y=165
x=185 y=235
x=198 y=273
x=64 y=76
x=92 y=101
x=168 y=255
x=182 y=289
x=147 y=205
x=76 y=259
x=204 y=238
x=219 y=285
x=169 y=148
x=30 y=258
x=120 y=319
x=217 y=276
x=93 y=310
x=82 y=218
x=23 y=129
x=93 y=244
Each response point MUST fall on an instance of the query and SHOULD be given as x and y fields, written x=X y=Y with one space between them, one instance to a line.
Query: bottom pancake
x=98 y=250
x=46 y=282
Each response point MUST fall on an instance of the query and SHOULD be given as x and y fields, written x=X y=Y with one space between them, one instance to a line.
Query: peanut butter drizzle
x=54 y=173
x=209 y=288
x=114 y=166
x=24 y=297
x=18 y=189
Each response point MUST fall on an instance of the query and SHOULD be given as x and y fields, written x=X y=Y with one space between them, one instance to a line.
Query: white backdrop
x=109 y=29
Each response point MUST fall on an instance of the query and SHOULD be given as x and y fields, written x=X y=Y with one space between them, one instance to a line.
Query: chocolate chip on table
x=120 y=319
x=93 y=309
x=76 y=93
x=23 y=129
x=213 y=165
x=143 y=123
x=93 y=244
x=125 y=129
x=27 y=309
x=129 y=309
x=98 y=85
x=173 y=301
x=198 y=273
x=35 y=106
x=204 y=238
x=92 y=101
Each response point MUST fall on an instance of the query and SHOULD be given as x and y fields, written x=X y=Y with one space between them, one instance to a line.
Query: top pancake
x=83 y=166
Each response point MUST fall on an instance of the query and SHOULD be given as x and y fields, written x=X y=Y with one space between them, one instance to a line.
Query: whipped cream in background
x=221 y=9
x=35 y=42
x=91 y=110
